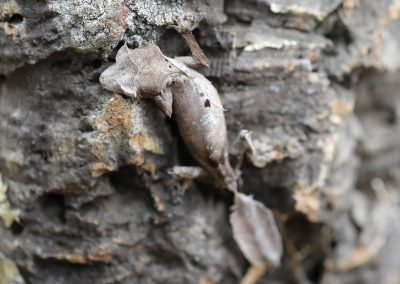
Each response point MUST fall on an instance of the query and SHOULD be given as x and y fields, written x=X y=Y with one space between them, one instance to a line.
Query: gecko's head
x=119 y=76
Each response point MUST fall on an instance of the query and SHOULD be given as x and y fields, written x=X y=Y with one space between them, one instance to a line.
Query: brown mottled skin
x=199 y=114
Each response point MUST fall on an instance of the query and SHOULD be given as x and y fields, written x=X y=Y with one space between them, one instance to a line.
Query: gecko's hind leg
x=192 y=173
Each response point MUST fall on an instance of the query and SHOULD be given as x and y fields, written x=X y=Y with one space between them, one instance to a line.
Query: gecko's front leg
x=164 y=102
x=198 y=58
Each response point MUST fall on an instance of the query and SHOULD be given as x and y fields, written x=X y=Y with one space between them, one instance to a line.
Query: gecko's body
x=200 y=117
x=178 y=89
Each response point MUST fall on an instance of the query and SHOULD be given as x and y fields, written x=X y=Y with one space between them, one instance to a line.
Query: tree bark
x=85 y=196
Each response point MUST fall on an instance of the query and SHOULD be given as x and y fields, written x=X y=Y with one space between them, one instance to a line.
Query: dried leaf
x=143 y=72
x=255 y=231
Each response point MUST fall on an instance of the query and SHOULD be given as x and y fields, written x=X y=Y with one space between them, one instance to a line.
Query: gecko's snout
x=101 y=81
x=109 y=81
x=105 y=80
x=115 y=80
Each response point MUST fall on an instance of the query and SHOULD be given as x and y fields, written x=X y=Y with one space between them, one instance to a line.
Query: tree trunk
x=85 y=195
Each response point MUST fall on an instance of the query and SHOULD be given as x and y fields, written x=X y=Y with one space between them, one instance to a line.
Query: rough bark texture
x=84 y=195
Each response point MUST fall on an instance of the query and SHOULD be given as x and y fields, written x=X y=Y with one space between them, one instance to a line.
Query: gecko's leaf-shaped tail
x=255 y=231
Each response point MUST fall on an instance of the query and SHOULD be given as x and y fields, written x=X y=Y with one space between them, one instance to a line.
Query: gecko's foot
x=182 y=180
x=188 y=24
x=178 y=189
